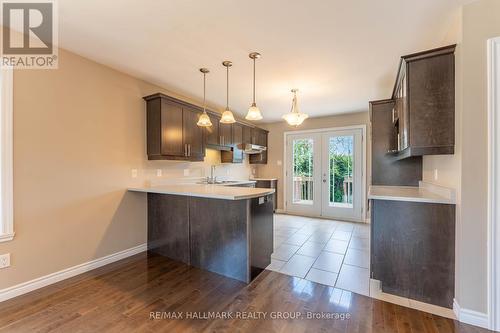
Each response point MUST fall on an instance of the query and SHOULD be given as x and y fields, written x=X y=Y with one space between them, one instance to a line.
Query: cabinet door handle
x=185 y=150
x=189 y=149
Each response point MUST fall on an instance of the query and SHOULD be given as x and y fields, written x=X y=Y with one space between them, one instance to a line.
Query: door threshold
x=279 y=211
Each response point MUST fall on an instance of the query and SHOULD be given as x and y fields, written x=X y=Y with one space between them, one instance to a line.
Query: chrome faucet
x=212 y=179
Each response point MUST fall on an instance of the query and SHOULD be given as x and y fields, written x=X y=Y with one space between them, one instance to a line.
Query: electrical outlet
x=4 y=260
x=435 y=174
x=186 y=172
x=158 y=172
x=134 y=173
x=278 y=162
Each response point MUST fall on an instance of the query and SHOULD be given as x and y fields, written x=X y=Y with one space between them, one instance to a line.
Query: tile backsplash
x=180 y=171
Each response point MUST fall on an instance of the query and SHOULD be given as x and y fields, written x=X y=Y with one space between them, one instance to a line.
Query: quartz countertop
x=259 y=178
x=424 y=193
x=206 y=191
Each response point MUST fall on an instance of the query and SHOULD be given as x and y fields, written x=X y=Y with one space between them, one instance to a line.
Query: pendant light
x=295 y=118
x=253 y=111
x=227 y=115
x=204 y=120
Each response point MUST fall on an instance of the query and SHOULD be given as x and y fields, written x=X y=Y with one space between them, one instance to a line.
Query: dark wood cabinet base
x=413 y=250
x=233 y=238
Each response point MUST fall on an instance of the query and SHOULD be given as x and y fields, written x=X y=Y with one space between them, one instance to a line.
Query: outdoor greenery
x=342 y=166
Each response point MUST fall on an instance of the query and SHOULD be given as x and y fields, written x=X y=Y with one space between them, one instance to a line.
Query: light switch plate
x=5 y=260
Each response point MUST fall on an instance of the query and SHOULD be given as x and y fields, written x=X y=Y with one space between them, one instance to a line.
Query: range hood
x=252 y=149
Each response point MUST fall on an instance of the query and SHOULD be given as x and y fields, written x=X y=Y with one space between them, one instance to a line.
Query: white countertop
x=424 y=193
x=253 y=178
x=207 y=191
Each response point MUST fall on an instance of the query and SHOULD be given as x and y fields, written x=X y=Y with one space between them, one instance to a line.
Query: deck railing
x=303 y=188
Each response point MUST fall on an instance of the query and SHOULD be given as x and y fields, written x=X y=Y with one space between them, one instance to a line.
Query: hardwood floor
x=134 y=294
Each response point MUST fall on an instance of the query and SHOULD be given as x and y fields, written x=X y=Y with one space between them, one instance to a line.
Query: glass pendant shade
x=295 y=118
x=254 y=112
x=204 y=120
x=227 y=117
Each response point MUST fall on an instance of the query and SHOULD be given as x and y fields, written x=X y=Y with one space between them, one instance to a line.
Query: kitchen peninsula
x=223 y=229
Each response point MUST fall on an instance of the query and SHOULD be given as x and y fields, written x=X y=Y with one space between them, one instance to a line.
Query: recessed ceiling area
x=339 y=54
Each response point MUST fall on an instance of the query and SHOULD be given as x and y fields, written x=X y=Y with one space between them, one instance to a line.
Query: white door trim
x=321 y=130
x=494 y=183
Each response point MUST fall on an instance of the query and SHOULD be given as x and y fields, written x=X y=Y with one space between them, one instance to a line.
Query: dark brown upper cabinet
x=259 y=137
x=172 y=133
x=212 y=132
x=247 y=134
x=219 y=136
x=423 y=117
x=226 y=134
x=235 y=155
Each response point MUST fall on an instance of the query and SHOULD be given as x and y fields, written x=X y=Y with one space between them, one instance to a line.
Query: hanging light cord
x=253 y=80
x=204 y=90
x=227 y=88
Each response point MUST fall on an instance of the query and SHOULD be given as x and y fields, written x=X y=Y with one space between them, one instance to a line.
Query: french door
x=324 y=175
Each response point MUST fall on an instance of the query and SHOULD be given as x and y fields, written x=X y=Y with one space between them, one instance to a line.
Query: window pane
x=341 y=149
x=303 y=171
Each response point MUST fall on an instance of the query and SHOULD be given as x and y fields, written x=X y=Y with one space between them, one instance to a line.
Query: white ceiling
x=339 y=54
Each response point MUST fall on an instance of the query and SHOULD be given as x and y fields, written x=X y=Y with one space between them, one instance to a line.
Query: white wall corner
x=6 y=155
x=493 y=242
x=470 y=317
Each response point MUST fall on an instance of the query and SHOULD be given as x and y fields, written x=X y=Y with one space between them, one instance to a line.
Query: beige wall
x=276 y=143
x=481 y=21
x=78 y=133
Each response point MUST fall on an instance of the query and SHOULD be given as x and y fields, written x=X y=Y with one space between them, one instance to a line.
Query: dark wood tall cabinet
x=413 y=241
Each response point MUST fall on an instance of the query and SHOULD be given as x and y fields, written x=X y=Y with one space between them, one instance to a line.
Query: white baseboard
x=376 y=292
x=49 y=279
x=470 y=317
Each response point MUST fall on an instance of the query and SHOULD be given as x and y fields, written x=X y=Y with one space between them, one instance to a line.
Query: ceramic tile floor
x=329 y=252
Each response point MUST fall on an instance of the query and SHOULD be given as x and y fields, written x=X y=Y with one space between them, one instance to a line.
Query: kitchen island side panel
x=219 y=236
x=168 y=226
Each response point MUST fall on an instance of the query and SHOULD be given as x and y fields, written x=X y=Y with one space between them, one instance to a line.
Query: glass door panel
x=303 y=174
x=342 y=174
x=303 y=168
x=341 y=159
